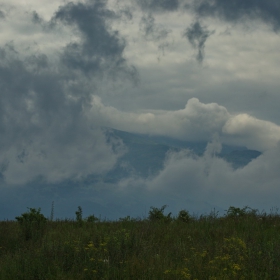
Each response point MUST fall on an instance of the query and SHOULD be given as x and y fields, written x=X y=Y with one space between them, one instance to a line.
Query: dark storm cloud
x=156 y=5
x=100 y=47
x=197 y=36
x=45 y=132
x=44 y=101
x=267 y=10
x=29 y=91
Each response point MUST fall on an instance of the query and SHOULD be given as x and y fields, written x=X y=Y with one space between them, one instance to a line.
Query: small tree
x=79 y=215
x=32 y=223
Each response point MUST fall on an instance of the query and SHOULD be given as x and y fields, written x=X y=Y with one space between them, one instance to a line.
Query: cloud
x=158 y=6
x=44 y=100
x=2 y=15
x=46 y=134
x=197 y=36
x=67 y=71
x=100 y=49
x=261 y=134
x=236 y=10
x=211 y=179
x=151 y=30
x=36 y=18
x=196 y=122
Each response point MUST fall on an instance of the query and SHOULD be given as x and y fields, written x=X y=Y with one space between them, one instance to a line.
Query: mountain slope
x=146 y=154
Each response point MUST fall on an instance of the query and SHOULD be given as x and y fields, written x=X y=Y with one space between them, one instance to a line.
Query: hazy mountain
x=145 y=154
x=99 y=194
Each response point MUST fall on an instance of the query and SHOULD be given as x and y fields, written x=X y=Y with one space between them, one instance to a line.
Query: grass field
x=243 y=244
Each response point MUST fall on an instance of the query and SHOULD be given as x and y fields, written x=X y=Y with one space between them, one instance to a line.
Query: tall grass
x=240 y=245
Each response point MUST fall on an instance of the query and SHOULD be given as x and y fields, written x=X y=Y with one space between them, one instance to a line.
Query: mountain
x=101 y=194
x=146 y=154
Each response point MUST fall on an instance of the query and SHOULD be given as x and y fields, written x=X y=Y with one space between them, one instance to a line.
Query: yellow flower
x=236 y=266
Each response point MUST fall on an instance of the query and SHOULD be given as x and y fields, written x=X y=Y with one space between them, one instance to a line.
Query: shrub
x=234 y=212
x=92 y=219
x=156 y=214
x=184 y=216
x=32 y=223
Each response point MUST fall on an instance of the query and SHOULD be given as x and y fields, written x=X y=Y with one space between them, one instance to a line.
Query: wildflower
x=236 y=267
x=203 y=254
x=185 y=273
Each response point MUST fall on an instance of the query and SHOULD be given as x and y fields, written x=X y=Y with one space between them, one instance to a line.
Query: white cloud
x=254 y=133
x=188 y=181
x=197 y=122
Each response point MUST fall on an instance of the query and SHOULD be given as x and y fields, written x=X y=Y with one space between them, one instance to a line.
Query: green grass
x=240 y=245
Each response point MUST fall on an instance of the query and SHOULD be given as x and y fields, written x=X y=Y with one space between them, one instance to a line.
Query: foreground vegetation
x=243 y=244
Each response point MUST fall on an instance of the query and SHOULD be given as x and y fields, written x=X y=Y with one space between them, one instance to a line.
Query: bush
x=234 y=212
x=92 y=219
x=184 y=216
x=156 y=214
x=32 y=223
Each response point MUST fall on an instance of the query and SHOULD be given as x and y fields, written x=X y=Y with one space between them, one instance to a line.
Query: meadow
x=241 y=244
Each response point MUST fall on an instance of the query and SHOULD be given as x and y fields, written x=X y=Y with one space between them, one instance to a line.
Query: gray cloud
x=46 y=132
x=36 y=18
x=151 y=30
x=155 y=5
x=2 y=15
x=268 y=11
x=100 y=49
x=44 y=100
x=197 y=36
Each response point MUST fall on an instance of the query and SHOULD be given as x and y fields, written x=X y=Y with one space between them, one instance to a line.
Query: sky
x=191 y=70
